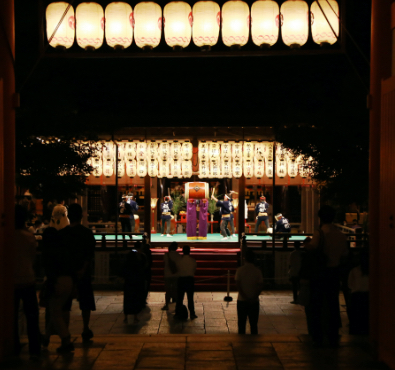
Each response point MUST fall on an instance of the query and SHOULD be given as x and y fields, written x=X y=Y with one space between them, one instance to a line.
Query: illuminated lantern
x=164 y=168
x=248 y=168
x=259 y=168
x=186 y=166
x=260 y=151
x=302 y=167
x=152 y=150
x=281 y=161
x=176 y=168
x=176 y=150
x=130 y=151
x=177 y=21
x=121 y=169
x=215 y=168
x=121 y=151
x=141 y=168
x=269 y=168
x=141 y=150
x=214 y=150
x=108 y=151
x=97 y=165
x=295 y=26
x=292 y=167
x=237 y=150
x=321 y=31
x=248 y=149
x=204 y=148
x=226 y=151
x=235 y=23
x=64 y=36
x=108 y=167
x=206 y=22
x=226 y=168
x=164 y=151
x=119 y=25
x=187 y=150
x=148 y=25
x=269 y=151
x=265 y=16
x=204 y=169
x=90 y=25
x=237 y=168
x=131 y=169
x=152 y=168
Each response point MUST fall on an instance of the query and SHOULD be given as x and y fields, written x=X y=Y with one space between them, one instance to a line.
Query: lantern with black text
x=295 y=27
x=141 y=168
x=265 y=18
x=90 y=25
x=325 y=21
x=187 y=150
x=177 y=23
x=152 y=168
x=186 y=167
x=248 y=168
x=206 y=22
x=226 y=168
x=176 y=150
x=235 y=23
x=108 y=167
x=269 y=167
x=176 y=168
x=130 y=151
x=259 y=168
x=204 y=169
x=64 y=35
x=119 y=25
x=148 y=25
x=237 y=168
x=152 y=150
x=131 y=167
x=121 y=168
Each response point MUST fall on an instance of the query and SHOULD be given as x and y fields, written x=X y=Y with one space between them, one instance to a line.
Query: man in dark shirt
x=226 y=208
x=166 y=208
x=82 y=242
x=134 y=207
x=282 y=224
x=261 y=210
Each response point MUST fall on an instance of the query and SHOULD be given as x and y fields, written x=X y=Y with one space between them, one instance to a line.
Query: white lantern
x=281 y=168
x=248 y=149
x=215 y=151
x=109 y=151
x=131 y=169
x=186 y=166
x=260 y=151
x=237 y=168
x=119 y=25
x=152 y=150
x=215 y=168
x=265 y=22
x=269 y=151
x=176 y=170
x=248 y=168
x=164 y=151
x=97 y=165
x=90 y=25
x=64 y=36
x=176 y=150
x=204 y=169
x=204 y=148
x=187 y=150
x=88 y=162
x=237 y=150
x=259 y=168
x=130 y=151
x=177 y=21
x=235 y=23
x=108 y=167
x=121 y=151
x=152 y=168
x=141 y=168
x=164 y=168
x=321 y=31
x=226 y=168
x=226 y=151
x=206 y=22
x=292 y=167
x=269 y=168
x=141 y=150
x=295 y=26
x=121 y=169
x=148 y=25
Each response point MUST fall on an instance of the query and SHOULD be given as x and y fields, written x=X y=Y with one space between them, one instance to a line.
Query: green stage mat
x=294 y=238
x=111 y=238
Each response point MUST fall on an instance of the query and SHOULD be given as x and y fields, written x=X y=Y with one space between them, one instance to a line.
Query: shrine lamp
x=206 y=22
x=177 y=21
x=148 y=25
x=119 y=25
x=90 y=25
x=153 y=206
x=265 y=17
x=64 y=35
x=235 y=23
x=295 y=23
x=324 y=21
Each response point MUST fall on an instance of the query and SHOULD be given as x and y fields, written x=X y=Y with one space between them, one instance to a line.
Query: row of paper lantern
x=120 y=23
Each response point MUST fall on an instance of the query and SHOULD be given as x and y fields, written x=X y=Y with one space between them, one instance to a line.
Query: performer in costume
x=282 y=224
x=261 y=212
x=135 y=207
x=166 y=207
x=191 y=219
x=203 y=207
x=232 y=217
x=225 y=209
x=125 y=211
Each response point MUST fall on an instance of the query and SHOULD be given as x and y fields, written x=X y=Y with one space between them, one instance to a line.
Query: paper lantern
x=152 y=168
x=121 y=151
x=215 y=150
x=164 y=151
x=237 y=168
x=119 y=25
x=259 y=168
x=235 y=23
x=121 y=169
x=186 y=167
x=164 y=168
x=206 y=22
x=281 y=168
x=204 y=148
x=108 y=167
x=131 y=168
x=141 y=168
x=260 y=151
x=176 y=150
x=295 y=27
x=177 y=21
x=204 y=169
x=176 y=170
x=248 y=168
x=226 y=168
x=269 y=151
x=64 y=35
x=248 y=150
x=141 y=150
x=152 y=150
x=109 y=151
x=187 y=150
x=215 y=168
x=130 y=151
x=97 y=165
x=320 y=29
x=226 y=151
x=265 y=18
x=237 y=150
x=292 y=167
x=148 y=25
x=269 y=168
x=90 y=25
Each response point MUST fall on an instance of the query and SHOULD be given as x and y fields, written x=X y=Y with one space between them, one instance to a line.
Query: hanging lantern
x=215 y=150
x=164 y=151
x=148 y=25
x=248 y=168
x=226 y=151
x=176 y=168
x=152 y=168
x=164 y=168
x=265 y=18
x=130 y=151
x=131 y=168
x=206 y=22
x=90 y=25
x=302 y=167
x=237 y=150
x=176 y=150
x=215 y=168
x=259 y=168
x=295 y=26
x=204 y=148
x=248 y=149
x=321 y=31
x=97 y=165
x=186 y=166
x=152 y=150
x=292 y=167
x=121 y=169
x=119 y=25
x=204 y=169
x=64 y=35
x=269 y=151
x=121 y=151
x=187 y=150
x=141 y=150
x=88 y=162
x=281 y=161
x=177 y=21
x=108 y=167
x=141 y=168
x=226 y=168
x=235 y=23
x=237 y=168
x=259 y=151
x=108 y=151
x=269 y=168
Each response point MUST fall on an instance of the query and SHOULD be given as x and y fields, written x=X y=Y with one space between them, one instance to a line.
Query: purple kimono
x=191 y=219
x=203 y=219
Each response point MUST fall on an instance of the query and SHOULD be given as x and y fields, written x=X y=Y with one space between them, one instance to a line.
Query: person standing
x=134 y=207
x=81 y=241
x=166 y=208
x=186 y=282
x=171 y=260
x=249 y=282
x=261 y=210
x=125 y=211
x=294 y=264
x=225 y=211
x=24 y=284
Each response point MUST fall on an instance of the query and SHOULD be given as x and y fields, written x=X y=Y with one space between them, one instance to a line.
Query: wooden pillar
x=7 y=176
x=241 y=208
x=147 y=206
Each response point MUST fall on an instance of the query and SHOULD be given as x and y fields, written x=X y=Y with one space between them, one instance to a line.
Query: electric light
x=148 y=25
x=206 y=22
x=178 y=24
x=90 y=25
x=235 y=23
x=321 y=31
x=295 y=26
x=265 y=18
x=64 y=36
x=119 y=25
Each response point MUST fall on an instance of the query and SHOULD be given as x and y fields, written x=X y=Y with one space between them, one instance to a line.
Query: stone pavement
x=209 y=342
